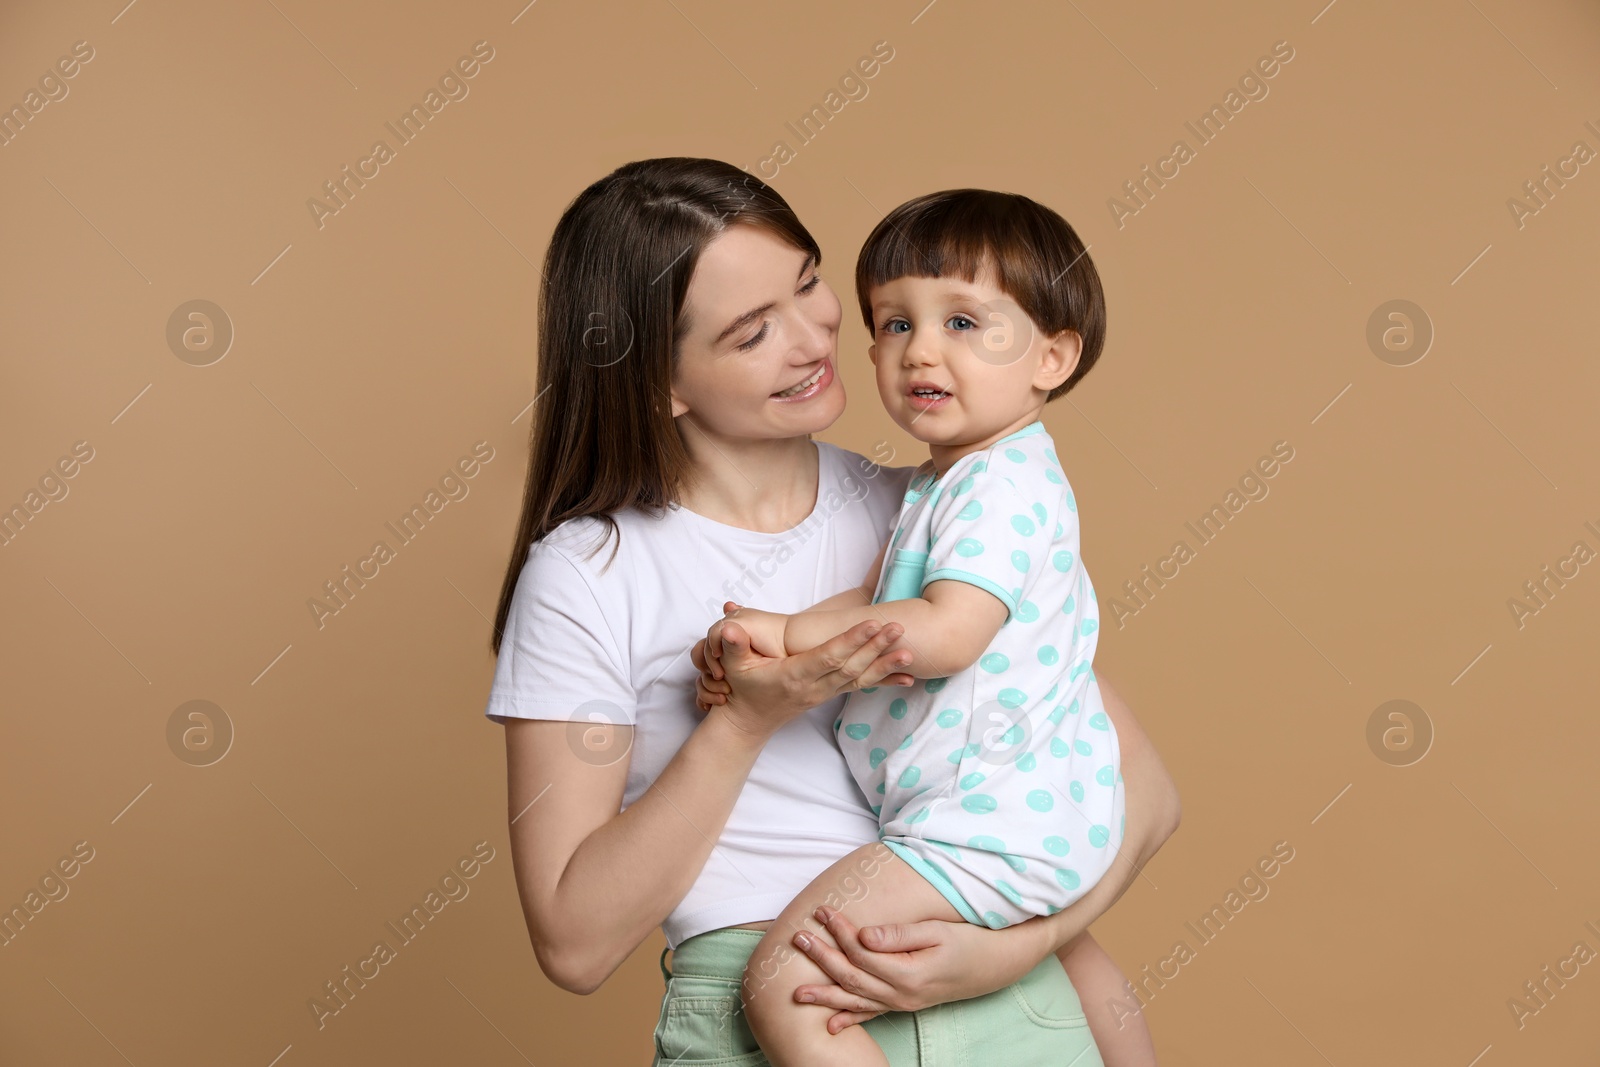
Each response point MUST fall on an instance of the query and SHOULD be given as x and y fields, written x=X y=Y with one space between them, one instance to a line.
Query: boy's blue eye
x=893 y=325
x=961 y=319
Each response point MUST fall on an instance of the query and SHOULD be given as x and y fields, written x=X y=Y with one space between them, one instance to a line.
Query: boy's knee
x=760 y=972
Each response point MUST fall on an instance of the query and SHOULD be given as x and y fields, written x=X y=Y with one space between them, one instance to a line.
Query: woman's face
x=761 y=321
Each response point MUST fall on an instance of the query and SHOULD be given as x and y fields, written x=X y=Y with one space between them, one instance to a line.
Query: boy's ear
x=1059 y=360
x=872 y=354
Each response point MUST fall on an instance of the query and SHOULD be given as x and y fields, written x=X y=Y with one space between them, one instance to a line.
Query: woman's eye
x=757 y=339
x=812 y=284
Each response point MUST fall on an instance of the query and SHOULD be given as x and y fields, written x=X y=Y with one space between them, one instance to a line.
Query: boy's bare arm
x=946 y=629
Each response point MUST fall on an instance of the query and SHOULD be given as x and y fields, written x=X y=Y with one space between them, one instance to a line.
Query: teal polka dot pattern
x=990 y=785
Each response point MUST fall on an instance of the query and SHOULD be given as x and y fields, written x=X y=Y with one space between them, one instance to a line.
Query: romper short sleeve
x=994 y=527
x=558 y=657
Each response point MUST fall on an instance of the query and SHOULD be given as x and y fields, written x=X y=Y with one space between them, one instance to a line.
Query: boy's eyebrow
x=948 y=294
x=755 y=313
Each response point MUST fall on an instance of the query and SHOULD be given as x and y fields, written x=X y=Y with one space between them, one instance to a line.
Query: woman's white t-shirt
x=589 y=642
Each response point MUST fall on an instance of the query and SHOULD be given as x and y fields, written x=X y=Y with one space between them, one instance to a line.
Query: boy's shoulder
x=1025 y=457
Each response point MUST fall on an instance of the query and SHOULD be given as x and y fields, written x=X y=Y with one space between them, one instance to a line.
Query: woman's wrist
x=740 y=733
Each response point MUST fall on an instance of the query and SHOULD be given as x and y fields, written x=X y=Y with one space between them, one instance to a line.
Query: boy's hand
x=764 y=628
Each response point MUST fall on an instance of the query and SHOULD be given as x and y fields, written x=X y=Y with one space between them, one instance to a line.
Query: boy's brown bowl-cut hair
x=1035 y=254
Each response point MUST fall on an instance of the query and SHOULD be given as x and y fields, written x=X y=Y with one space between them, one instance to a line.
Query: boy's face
x=974 y=344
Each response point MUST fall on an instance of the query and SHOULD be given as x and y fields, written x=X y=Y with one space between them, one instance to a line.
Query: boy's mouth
x=926 y=395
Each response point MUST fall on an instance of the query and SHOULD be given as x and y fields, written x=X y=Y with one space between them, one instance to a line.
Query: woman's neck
x=767 y=486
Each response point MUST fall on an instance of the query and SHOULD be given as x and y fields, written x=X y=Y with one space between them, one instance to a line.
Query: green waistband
x=713 y=954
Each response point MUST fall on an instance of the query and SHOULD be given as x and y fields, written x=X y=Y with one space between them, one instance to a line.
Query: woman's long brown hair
x=610 y=318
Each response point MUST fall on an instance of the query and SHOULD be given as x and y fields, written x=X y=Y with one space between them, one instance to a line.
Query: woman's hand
x=765 y=692
x=909 y=966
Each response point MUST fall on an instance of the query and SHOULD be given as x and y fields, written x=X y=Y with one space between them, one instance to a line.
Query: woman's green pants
x=1039 y=1020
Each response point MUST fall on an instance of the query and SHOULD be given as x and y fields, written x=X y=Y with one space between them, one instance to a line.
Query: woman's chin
x=818 y=413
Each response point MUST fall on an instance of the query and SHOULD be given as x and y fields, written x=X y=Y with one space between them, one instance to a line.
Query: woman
x=687 y=351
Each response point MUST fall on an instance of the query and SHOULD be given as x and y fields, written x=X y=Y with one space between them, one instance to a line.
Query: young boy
x=995 y=780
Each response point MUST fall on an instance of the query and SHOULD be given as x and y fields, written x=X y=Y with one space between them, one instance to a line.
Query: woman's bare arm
x=595 y=881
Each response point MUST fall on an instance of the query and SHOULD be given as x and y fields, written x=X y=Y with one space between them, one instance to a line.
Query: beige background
x=371 y=353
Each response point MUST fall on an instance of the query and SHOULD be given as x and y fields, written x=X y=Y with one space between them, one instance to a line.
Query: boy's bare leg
x=869 y=886
x=1114 y=1015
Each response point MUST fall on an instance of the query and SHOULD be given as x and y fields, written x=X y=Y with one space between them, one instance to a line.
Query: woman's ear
x=1059 y=360
x=678 y=406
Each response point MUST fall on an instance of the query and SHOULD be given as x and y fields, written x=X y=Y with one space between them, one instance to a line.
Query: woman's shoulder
x=853 y=467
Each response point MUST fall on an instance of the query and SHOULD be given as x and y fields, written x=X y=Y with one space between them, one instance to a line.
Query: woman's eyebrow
x=755 y=313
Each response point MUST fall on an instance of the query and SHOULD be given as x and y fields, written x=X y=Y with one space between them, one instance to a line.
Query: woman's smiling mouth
x=811 y=386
